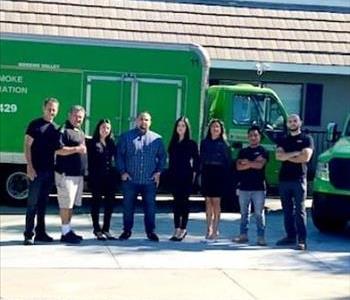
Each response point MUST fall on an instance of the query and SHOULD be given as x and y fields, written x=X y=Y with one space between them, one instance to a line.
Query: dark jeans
x=293 y=194
x=98 y=197
x=148 y=193
x=38 y=196
x=181 y=209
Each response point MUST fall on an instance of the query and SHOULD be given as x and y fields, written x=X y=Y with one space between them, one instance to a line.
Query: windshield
x=275 y=116
x=259 y=109
x=347 y=129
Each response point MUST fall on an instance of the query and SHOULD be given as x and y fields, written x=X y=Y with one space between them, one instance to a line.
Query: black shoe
x=70 y=238
x=125 y=235
x=174 y=239
x=77 y=236
x=28 y=242
x=152 y=237
x=301 y=245
x=43 y=237
x=108 y=235
x=99 y=235
x=286 y=241
x=182 y=236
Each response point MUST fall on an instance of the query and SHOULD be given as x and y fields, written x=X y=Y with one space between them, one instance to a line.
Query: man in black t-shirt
x=251 y=166
x=40 y=143
x=294 y=151
x=71 y=165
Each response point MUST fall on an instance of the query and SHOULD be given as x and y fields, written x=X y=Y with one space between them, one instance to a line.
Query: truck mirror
x=331 y=131
x=237 y=145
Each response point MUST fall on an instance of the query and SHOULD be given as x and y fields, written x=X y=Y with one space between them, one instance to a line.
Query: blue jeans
x=148 y=193
x=38 y=196
x=258 y=199
x=293 y=194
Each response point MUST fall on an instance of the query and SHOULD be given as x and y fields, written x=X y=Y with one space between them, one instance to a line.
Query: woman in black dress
x=102 y=182
x=183 y=167
x=215 y=162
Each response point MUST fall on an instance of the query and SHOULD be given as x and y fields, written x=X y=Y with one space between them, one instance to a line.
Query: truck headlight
x=322 y=171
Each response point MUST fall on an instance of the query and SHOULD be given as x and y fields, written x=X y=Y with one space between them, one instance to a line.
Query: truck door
x=264 y=111
x=120 y=98
x=108 y=97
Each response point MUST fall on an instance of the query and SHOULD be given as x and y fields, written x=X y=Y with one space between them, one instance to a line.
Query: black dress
x=215 y=161
x=183 y=163
x=102 y=180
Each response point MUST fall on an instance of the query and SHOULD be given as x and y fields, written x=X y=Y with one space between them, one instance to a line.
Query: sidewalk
x=138 y=269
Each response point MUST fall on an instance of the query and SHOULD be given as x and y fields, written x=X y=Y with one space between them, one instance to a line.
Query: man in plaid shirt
x=141 y=157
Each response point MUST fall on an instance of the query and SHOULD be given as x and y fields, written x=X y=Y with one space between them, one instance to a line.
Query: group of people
x=64 y=156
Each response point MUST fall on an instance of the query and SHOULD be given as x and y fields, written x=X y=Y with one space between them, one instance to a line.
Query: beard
x=143 y=127
x=294 y=129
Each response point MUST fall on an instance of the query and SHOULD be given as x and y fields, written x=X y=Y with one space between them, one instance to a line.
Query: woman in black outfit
x=215 y=162
x=183 y=167
x=102 y=182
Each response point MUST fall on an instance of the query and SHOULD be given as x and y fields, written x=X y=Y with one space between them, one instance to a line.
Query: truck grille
x=339 y=173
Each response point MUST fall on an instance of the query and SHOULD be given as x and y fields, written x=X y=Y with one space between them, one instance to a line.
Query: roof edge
x=262 y=67
x=199 y=50
x=332 y=6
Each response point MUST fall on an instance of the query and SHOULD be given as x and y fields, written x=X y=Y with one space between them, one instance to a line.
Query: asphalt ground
x=192 y=269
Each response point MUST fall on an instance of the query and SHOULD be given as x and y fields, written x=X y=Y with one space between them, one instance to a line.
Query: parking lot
x=192 y=269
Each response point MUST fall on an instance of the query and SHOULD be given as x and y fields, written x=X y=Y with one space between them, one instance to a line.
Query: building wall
x=336 y=90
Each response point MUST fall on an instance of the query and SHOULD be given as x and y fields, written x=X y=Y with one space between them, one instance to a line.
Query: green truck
x=115 y=80
x=242 y=105
x=331 y=185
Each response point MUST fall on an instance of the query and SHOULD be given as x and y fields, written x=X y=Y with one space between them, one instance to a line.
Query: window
x=261 y=110
x=313 y=104
x=347 y=130
x=248 y=109
x=275 y=117
x=290 y=95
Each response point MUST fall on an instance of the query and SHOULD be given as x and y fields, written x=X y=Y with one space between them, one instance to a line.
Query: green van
x=331 y=186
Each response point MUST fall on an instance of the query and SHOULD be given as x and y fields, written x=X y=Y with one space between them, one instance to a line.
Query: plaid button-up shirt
x=140 y=155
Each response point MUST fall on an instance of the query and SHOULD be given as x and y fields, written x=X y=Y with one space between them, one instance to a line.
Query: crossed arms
x=297 y=157
x=245 y=164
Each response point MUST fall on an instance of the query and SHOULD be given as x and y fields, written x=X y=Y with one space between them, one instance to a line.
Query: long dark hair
x=222 y=127
x=175 y=136
x=96 y=135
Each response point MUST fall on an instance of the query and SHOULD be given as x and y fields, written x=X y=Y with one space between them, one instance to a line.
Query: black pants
x=293 y=195
x=106 y=198
x=39 y=190
x=181 y=209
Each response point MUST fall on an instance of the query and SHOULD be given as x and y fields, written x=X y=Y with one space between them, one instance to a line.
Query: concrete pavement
x=193 y=269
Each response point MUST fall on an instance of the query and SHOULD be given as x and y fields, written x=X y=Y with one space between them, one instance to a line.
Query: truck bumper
x=335 y=205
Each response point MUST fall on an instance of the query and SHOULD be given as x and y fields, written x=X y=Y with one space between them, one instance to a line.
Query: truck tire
x=14 y=187
x=323 y=220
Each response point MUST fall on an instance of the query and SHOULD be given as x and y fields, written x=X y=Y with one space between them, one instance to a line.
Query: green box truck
x=111 y=79
x=331 y=186
x=115 y=80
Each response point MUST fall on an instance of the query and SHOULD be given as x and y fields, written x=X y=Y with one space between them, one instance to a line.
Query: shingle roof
x=228 y=33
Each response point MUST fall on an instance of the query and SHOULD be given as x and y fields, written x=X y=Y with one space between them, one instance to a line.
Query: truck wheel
x=15 y=190
x=324 y=221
